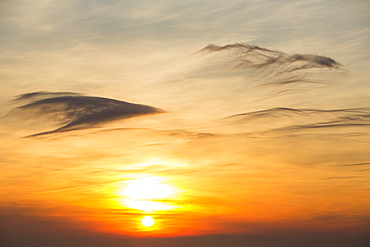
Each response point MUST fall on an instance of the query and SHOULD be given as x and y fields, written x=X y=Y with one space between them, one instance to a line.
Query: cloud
x=283 y=119
x=357 y=164
x=340 y=115
x=42 y=95
x=348 y=177
x=72 y=111
x=271 y=67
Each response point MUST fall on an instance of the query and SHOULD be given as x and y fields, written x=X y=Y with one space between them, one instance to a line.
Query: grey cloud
x=285 y=111
x=313 y=61
x=357 y=164
x=348 y=177
x=257 y=57
x=291 y=80
x=73 y=111
x=323 y=125
x=249 y=48
x=271 y=67
x=42 y=95
x=280 y=119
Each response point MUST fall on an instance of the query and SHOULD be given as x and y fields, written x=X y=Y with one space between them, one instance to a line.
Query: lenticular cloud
x=72 y=111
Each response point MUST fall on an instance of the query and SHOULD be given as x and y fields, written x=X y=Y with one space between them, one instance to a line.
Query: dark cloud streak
x=271 y=67
x=285 y=111
x=291 y=119
x=357 y=164
x=43 y=95
x=72 y=111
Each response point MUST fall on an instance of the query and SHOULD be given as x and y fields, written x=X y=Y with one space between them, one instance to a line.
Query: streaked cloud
x=270 y=67
x=73 y=111
x=284 y=120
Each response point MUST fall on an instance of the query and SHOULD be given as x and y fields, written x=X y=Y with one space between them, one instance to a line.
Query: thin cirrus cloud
x=280 y=119
x=357 y=164
x=72 y=111
x=43 y=95
x=271 y=67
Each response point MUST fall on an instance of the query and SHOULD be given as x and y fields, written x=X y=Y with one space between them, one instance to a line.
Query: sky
x=196 y=123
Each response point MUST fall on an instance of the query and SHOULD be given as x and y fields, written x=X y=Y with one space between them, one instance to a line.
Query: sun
x=147 y=221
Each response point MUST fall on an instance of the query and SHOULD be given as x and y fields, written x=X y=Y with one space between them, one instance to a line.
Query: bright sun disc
x=147 y=221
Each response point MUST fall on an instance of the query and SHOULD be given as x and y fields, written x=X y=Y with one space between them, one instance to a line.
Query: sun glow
x=148 y=188
x=146 y=193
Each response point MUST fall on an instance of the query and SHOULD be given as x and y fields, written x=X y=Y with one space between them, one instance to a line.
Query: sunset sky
x=185 y=123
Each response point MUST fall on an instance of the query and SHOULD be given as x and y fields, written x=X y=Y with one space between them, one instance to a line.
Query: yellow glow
x=145 y=194
x=147 y=221
x=148 y=188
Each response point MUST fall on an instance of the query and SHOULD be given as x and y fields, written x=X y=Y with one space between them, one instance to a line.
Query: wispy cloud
x=357 y=164
x=73 y=111
x=42 y=95
x=280 y=119
x=348 y=177
x=270 y=67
